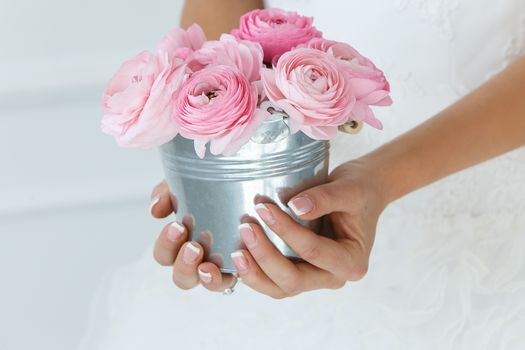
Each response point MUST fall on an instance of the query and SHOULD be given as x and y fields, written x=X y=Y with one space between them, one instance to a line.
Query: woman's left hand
x=352 y=200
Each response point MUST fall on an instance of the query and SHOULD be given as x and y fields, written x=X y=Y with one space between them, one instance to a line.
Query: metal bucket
x=219 y=192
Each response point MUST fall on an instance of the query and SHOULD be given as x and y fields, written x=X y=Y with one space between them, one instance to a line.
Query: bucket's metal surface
x=220 y=192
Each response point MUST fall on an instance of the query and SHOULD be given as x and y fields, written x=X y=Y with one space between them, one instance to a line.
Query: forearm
x=217 y=17
x=488 y=122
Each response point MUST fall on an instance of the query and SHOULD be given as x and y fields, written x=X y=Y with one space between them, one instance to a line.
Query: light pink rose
x=218 y=104
x=137 y=100
x=245 y=55
x=276 y=30
x=181 y=43
x=368 y=82
x=311 y=88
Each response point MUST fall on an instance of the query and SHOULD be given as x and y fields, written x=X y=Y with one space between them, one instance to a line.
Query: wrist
x=363 y=173
x=390 y=174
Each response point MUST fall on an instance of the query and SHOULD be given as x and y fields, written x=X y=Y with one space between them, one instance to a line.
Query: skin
x=488 y=122
x=216 y=17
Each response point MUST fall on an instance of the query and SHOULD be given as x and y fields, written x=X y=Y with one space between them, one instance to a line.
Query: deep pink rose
x=218 y=104
x=245 y=55
x=137 y=100
x=181 y=43
x=276 y=30
x=310 y=86
x=368 y=82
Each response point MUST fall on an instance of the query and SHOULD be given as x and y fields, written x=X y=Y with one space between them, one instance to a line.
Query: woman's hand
x=351 y=199
x=172 y=247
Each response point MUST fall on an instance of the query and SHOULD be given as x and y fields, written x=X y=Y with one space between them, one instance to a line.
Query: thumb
x=317 y=201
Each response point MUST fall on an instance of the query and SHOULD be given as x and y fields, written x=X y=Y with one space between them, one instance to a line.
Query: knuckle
x=180 y=284
x=260 y=257
x=280 y=229
x=291 y=285
x=278 y=295
x=161 y=254
x=283 y=225
x=253 y=274
x=337 y=284
x=213 y=287
x=184 y=279
x=322 y=195
x=160 y=259
x=356 y=273
x=310 y=252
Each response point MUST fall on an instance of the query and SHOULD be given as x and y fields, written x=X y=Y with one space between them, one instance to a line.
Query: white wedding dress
x=448 y=267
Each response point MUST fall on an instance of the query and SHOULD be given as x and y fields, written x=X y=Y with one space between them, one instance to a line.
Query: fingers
x=188 y=258
x=341 y=257
x=169 y=242
x=187 y=275
x=163 y=203
x=318 y=201
x=212 y=278
x=266 y=270
x=254 y=277
x=282 y=271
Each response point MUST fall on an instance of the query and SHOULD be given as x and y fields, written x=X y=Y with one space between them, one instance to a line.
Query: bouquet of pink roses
x=211 y=91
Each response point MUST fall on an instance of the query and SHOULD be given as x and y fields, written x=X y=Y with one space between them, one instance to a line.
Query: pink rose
x=310 y=86
x=218 y=104
x=276 y=30
x=181 y=43
x=245 y=55
x=137 y=100
x=368 y=82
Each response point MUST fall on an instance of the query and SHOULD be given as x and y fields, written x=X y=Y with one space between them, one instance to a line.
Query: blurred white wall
x=72 y=204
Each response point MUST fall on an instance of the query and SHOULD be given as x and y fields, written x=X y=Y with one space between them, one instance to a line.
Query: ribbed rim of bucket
x=233 y=168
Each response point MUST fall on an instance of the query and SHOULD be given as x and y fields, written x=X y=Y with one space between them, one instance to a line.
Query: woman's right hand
x=172 y=247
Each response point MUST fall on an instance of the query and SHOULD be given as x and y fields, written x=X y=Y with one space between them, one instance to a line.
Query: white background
x=72 y=204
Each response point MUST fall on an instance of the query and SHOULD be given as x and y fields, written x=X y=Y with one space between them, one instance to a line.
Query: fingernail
x=175 y=231
x=240 y=261
x=301 y=205
x=265 y=213
x=191 y=253
x=247 y=235
x=205 y=276
x=154 y=202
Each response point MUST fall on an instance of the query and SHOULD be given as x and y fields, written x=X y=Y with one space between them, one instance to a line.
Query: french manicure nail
x=190 y=254
x=175 y=231
x=301 y=205
x=154 y=202
x=240 y=261
x=247 y=235
x=205 y=276
x=265 y=213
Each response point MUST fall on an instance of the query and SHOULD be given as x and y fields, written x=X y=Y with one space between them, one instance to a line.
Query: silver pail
x=218 y=193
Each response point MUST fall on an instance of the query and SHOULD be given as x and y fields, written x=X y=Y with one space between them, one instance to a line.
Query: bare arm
x=217 y=17
x=488 y=122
